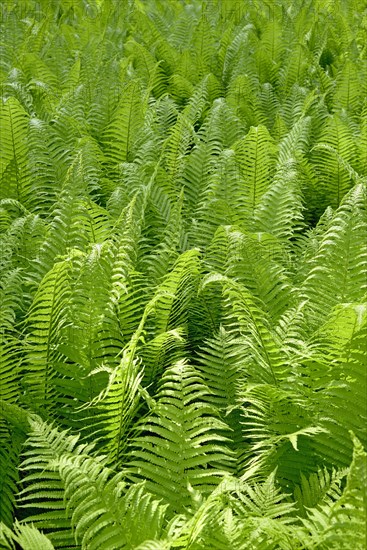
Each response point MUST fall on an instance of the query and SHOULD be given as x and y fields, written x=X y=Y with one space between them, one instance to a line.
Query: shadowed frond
x=180 y=440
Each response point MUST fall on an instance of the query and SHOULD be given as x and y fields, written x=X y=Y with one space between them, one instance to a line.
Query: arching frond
x=255 y=155
x=13 y=161
x=177 y=444
x=26 y=537
x=182 y=274
x=340 y=271
x=342 y=523
x=44 y=320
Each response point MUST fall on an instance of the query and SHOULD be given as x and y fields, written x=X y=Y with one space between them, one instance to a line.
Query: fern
x=182 y=274
x=254 y=155
x=26 y=537
x=346 y=232
x=333 y=177
x=341 y=523
x=181 y=441
x=13 y=162
x=44 y=320
x=120 y=134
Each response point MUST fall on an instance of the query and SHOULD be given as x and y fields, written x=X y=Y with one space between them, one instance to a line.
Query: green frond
x=162 y=259
x=259 y=262
x=159 y=352
x=340 y=271
x=119 y=136
x=242 y=515
x=107 y=517
x=269 y=52
x=146 y=67
x=334 y=179
x=6 y=537
x=347 y=91
x=176 y=146
x=68 y=229
x=264 y=359
x=178 y=448
x=10 y=440
x=222 y=356
x=295 y=143
x=218 y=204
x=341 y=404
x=113 y=517
x=10 y=447
x=341 y=524
x=176 y=292
x=109 y=416
x=221 y=361
x=10 y=298
x=13 y=159
x=362 y=145
x=43 y=490
x=280 y=209
x=255 y=154
x=297 y=67
x=44 y=168
x=47 y=314
x=25 y=536
x=242 y=96
x=278 y=425
x=318 y=488
x=203 y=42
x=182 y=274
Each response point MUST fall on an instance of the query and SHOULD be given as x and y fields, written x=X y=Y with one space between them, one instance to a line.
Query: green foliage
x=183 y=268
x=181 y=451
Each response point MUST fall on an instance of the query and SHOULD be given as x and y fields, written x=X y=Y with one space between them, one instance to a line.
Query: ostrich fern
x=183 y=275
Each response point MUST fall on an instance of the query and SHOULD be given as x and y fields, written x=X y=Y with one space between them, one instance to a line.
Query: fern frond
x=318 y=488
x=264 y=359
x=175 y=293
x=362 y=145
x=279 y=426
x=10 y=439
x=280 y=210
x=110 y=414
x=347 y=90
x=10 y=448
x=342 y=523
x=114 y=408
x=340 y=271
x=243 y=515
x=218 y=202
x=43 y=491
x=255 y=154
x=176 y=147
x=162 y=259
x=242 y=96
x=14 y=150
x=158 y=353
x=221 y=356
x=334 y=180
x=179 y=447
x=259 y=261
x=269 y=52
x=341 y=403
x=46 y=316
x=25 y=536
x=121 y=133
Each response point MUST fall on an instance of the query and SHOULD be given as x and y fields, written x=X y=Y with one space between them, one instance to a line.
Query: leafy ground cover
x=183 y=274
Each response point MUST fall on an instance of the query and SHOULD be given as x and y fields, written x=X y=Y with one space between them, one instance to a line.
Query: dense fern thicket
x=183 y=274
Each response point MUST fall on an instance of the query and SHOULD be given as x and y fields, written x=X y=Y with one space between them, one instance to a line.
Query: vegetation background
x=183 y=274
